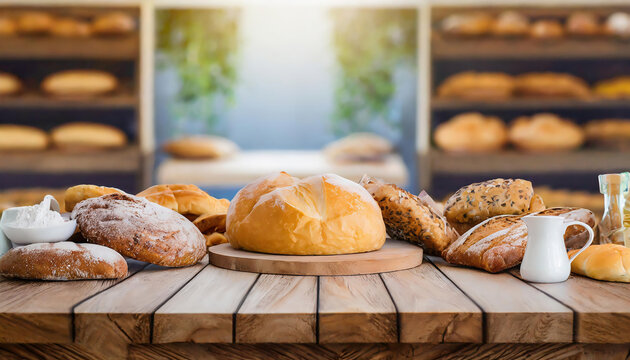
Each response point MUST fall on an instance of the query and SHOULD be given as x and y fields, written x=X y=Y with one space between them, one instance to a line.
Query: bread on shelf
x=583 y=23
x=545 y=132
x=113 y=23
x=546 y=30
x=471 y=132
x=511 y=24
x=8 y=26
x=618 y=24
x=467 y=24
x=22 y=138
x=70 y=27
x=551 y=84
x=615 y=88
x=609 y=133
x=34 y=23
x=9 y=84
x=84 y=135
x=79 y=83
x=472 y=85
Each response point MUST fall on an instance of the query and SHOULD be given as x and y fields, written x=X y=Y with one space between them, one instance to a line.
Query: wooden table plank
x=355 y=309
x=431 y=309
x=514 y=312
x=122 y=314
x=279 y=309
x=41 y=311
x=202 y=312
x=602 y=309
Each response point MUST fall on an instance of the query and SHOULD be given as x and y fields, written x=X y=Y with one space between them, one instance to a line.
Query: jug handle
x=591 y=235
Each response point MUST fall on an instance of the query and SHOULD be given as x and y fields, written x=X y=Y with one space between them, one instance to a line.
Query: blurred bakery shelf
x=520 y=163
x=49 y=47
x=121 y=100
x=440 y=104
x=124 y=160
x=445 y=48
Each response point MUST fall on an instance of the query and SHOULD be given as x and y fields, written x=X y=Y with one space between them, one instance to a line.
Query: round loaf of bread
x=20 y=137
x=317 y=215
x=545 y=132
x=9 y=84
x=79 y=83
x=608 y=262
x=201 y=147
x=471 y=132
x=140 y=229
x=583 y=23
x=63 y=261
x=78 y=193
x=185 y=199
x=114 y=23
x=83 y=135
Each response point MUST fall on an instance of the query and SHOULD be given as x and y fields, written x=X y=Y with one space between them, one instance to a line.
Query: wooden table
x=433 y=311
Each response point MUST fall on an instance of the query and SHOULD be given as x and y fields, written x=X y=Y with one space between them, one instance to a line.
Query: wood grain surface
x=122 y=314
x=279 y=309
x=355 y=309
x=602 y=309
x=394 y=255
x=41 y=311
x=432 y=309
x=514 y=312
x=202 y=311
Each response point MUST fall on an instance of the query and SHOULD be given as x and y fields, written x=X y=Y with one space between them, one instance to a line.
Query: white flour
x=37 y=216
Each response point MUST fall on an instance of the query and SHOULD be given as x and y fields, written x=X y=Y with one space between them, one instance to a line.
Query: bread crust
x=607 y=262
x=63 y=261
x=78 y=193
x=140 y=229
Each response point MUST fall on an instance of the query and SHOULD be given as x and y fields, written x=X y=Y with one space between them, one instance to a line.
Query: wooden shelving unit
x=439 y=104
x=50 y=47
x=121 y=100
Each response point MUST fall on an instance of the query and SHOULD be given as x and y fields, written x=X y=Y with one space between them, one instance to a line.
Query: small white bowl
x=46 y=234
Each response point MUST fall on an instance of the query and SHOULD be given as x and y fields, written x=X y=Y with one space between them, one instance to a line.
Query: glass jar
x=611 y=227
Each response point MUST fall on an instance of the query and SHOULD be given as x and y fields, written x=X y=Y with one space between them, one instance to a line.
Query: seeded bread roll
x=476 y=202
x=409 y=218
x=63 y=261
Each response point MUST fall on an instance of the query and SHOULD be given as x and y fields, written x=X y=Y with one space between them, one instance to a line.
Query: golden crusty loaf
x=70 y=27
x=9 y=84
x=140 y=229
x=201 y=147
x=21 y=137
x=499 y=243
x=550 y=84
x=510 y=23
x=114 y=23
x=317 y=215
x=34 y=23
x=409 y=218
x=185 y=199
x=467 y=24
x=8 y=26
x=79 y=83
x=471 y=132
x=78 y=193
x=546 y=29
x=545 y=132
x=63 y=261
x=608 y=262
x=84 y=135
x=476 y=202
x=477 y=86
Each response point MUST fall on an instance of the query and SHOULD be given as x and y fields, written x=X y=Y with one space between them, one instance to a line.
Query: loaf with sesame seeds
x=410 y=218
x=477 y=202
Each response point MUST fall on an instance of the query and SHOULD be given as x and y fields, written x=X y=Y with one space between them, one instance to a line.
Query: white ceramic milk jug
x=546 y=259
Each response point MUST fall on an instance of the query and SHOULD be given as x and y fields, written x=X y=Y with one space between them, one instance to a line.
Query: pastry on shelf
x=34 y=23
x=471 y=132
x=84 y=135
x=9 y=84
x=22 y=138
x=546 y=29
x=511 y=24
x=468 y=24
x=70 y=27
x=615 y=88
x=8 y=26
x=359 y=147
x=609 y=133
x=79 y=83
x=618 y=24
x=583 y=23
x=477 y=86
x=550 y=84
x=545 y=133
x=201 y=147
x=114 y=23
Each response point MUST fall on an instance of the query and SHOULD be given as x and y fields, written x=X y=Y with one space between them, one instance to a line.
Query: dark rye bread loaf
x=410 y=218
x=140 y=229
x=499 y=242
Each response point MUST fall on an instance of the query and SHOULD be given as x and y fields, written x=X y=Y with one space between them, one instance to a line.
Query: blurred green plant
x=369 y=45
x=202 y=46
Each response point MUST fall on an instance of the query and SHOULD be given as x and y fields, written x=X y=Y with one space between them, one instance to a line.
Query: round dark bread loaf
x=140 y=229
x=63 y=261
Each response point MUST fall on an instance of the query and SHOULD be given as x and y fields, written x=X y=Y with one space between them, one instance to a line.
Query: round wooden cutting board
x=394 y=255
